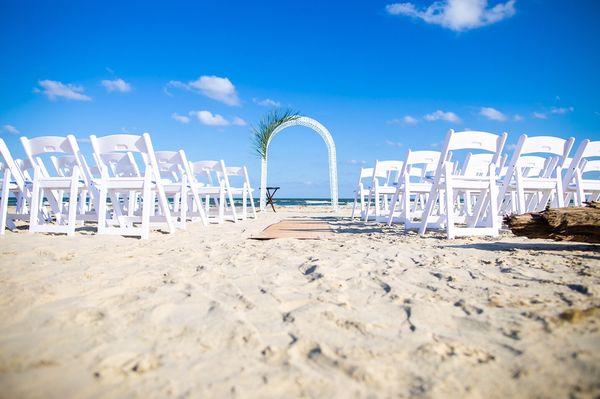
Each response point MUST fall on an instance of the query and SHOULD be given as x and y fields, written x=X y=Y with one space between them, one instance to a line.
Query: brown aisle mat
x=306 y=229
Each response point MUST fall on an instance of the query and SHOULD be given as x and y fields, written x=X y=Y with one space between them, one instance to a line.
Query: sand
x=372 y=312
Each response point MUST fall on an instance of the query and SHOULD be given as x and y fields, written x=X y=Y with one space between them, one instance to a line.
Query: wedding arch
x=275 y=123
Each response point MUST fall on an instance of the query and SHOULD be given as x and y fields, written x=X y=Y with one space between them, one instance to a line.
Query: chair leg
x=393 y=206
x=102 y=196
x=147 y=205
x=244 y=205
x=252 y=204
x=354 y=205
x=560 y=195
x=221 y=205
x=232 y=204
x=521 y=206
x=4 y=200
x=429 y=204
x=449 y=196
x=73 y=194
x=36 y=202
x=494 y=211
x=367 y=208
x=183 y=204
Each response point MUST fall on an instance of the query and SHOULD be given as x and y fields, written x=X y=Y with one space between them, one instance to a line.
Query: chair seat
x=387 y=189
x=424 y=187
x=128 y=183
x=587 y=184
x=202 y=188
x=12 y=186
x=58 y=182
x=535 y=184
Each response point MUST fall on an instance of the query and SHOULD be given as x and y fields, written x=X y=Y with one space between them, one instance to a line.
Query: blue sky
x=381 y=76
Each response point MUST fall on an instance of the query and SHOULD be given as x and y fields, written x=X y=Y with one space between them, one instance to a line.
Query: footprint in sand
x=310 y=271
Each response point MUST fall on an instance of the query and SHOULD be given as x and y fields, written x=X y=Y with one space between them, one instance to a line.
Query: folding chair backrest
x=64 y=165
x=225 y=172
x=38 y=146
x=591 y=166
x=384 y=170
x=552 y=147
x=119 y=164
x=420 y=163
x=205 y=170
x=233 y=171
x=536 y=166
x=547 y=145
x=422 y=157
x=171 y=165
x=592 y=149
x=472 y=140
x=365 y=173
x=9 y=163
x=125 y=143
x=26 y=168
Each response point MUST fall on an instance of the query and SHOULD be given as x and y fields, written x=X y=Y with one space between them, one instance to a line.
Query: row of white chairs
x=120 y=197
x=431 y=189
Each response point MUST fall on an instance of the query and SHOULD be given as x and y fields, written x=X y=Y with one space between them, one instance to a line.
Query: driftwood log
x=568 y=224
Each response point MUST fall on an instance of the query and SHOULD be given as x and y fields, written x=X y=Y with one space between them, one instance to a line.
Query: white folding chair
x=205 y=184
x=61 y=214
x=447 y=182
x=383 y=186
x=122 y=219
x=13 y=183
x=243 y=190
x=178 y=181
x=64 y=166
x=414 y=180
x=577 y=186
x=361 y=192
x=536 y=180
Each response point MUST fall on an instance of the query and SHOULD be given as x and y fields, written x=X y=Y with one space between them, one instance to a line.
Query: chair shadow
x=538 y=246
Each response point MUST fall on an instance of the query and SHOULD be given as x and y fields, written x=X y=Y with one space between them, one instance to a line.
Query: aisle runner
x=306 y=229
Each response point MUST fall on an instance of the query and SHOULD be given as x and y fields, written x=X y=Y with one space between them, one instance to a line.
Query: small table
x=270 y=196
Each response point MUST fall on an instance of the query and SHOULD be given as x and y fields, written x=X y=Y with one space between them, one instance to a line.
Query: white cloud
x=539 y=115
x=441 y=115
x=237 y=121
x=267 y=102
x=561 y=111
x=492 y=114
x=210 y=119
x=54 y=89
x=457 y=15
x=180 y=118
x=355 y=162
x=217 y=88
x=409 y=120
x=518 y=118
x=406 y=120
x=393 y=143
x=116 y=85
x=10 y=129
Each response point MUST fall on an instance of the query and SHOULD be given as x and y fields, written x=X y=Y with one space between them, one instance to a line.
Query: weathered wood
x=569 y=224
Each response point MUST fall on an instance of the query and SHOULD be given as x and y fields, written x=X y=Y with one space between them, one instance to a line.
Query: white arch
x=324 y=133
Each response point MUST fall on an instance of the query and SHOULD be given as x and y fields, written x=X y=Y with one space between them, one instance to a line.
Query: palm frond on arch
x=262 y=133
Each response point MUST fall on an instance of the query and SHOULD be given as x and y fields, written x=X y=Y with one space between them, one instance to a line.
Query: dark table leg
x=270 y=196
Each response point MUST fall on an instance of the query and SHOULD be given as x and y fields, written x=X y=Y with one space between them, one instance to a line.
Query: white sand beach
x=371 y=312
